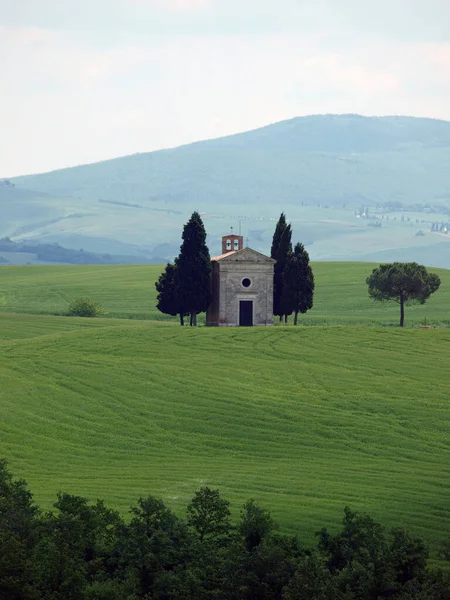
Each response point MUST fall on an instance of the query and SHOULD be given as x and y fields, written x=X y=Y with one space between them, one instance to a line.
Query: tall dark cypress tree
x=168 y=299
x=281 y=247
x=193 y=269
x=281 y=226
x=298 y=282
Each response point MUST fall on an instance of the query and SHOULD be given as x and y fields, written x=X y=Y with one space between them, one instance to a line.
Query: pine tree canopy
x=193 y=267
x=402 y=282
x=281 y=247
x=298 y=283
x=168 y=300
x=280 y=227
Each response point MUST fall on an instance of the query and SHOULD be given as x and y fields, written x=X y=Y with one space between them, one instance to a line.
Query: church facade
x=242 y=286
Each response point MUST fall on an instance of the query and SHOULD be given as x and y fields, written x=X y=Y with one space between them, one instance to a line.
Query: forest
x=86 y=551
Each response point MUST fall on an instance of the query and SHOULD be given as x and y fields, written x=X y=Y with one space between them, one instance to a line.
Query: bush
x=83 y=307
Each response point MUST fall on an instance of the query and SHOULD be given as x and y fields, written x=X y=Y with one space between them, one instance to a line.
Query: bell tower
x=232 y=242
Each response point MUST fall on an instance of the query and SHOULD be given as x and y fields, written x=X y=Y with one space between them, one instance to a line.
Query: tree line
x=56 y=253
x=88 y=551
x=293 y=281
x=184 y=288
x=404 y=283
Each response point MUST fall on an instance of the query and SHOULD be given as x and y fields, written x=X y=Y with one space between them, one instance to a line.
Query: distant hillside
x=319 y=169
x=19 y=253
x=329 y=158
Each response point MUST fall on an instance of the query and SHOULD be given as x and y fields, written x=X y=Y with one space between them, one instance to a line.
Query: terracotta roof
x=245 y=255
x=223 y=255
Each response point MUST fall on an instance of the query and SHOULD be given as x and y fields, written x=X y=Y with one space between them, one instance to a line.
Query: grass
x=304 y=420
x=128 y=291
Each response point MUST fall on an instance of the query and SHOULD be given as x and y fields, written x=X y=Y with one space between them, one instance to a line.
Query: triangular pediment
x=246 y=255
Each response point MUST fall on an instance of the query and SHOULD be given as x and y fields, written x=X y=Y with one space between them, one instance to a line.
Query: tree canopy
x=168 y=299
x=193 y=269
x=403 y=283
x=280 y=250
x=208 y=514
x=298 y=283
x=184 y=287
x=87 y=551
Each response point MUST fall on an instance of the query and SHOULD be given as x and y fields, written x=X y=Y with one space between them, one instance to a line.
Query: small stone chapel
x=242 y=286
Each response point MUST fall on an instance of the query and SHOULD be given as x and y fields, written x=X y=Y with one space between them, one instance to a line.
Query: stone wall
x=231 y=291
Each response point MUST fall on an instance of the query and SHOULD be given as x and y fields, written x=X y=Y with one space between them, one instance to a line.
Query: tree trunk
x=194 y=319
x=296 y=317
x=285 y=319
x=402 y=311
x=190 y=319
x=281 y=318
x=181 y=320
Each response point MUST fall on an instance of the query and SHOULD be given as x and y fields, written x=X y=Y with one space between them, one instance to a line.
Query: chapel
x=242 y=286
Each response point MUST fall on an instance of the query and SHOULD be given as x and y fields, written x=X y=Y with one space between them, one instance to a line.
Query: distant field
x=304 y=420
x=128 y=291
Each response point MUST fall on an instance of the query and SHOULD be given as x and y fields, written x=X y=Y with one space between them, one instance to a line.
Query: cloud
x=173 y=5
x=338 y=69
x=440 y=55
x=71 y=98
x=407 y=20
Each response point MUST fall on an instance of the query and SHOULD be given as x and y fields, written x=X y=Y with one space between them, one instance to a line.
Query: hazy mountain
x=343 y=163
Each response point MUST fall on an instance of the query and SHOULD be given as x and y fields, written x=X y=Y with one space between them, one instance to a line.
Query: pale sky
x=87 y=80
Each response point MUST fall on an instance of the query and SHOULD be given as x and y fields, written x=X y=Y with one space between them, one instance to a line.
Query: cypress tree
x=193 y=269
x=280 y=227
x=168 y=298
x=298 y=280
x=281 y=247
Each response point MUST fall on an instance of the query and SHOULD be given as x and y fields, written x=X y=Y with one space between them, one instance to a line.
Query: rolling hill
x=325 y=171
x=128 y=292
x=304 y=420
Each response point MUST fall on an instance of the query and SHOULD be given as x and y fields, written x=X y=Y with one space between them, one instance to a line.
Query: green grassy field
x=304 y=420
x=128 y=291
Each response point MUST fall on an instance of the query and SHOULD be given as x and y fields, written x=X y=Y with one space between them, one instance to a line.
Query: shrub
x=83 y=307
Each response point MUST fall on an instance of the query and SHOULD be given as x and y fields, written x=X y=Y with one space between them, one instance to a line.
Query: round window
x=246 y=282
